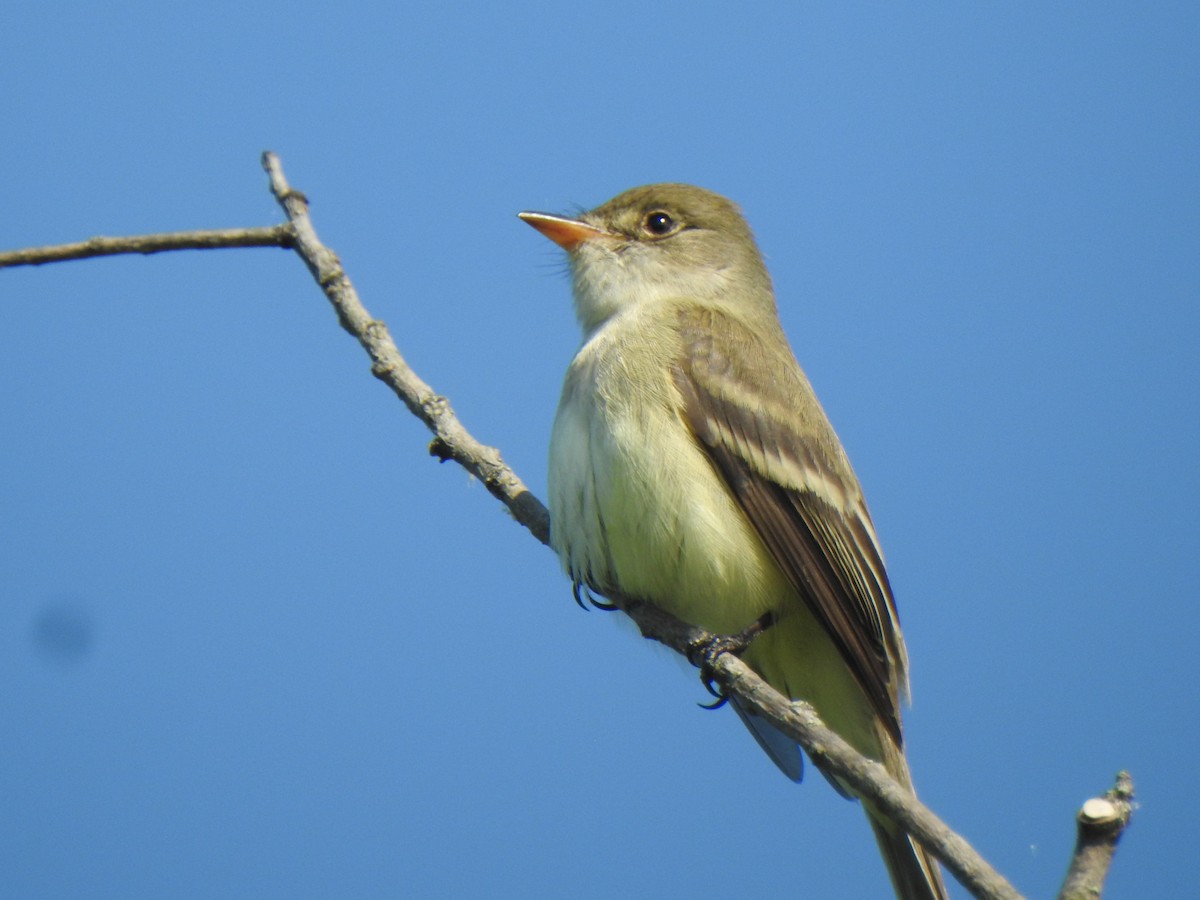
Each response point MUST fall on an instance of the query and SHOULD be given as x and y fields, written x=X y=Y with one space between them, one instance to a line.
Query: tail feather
x=915 y=874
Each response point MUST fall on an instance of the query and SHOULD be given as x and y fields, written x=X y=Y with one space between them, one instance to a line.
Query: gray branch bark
x=1101 y=822
x=450 y=439
x=275 y=236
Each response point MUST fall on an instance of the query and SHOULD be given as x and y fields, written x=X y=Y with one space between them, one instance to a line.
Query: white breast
x=635 y=504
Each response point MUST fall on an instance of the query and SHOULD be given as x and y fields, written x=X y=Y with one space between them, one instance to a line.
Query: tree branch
x=800 y=721
x=275 y=236
x=1102 y=821
x=450 y=439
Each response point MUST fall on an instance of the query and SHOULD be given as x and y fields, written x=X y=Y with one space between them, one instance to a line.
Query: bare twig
x=450 y=439
x=275 y=236
x=1102 y=821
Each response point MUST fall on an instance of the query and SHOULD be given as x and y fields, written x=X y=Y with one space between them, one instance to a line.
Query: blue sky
x=255 y=642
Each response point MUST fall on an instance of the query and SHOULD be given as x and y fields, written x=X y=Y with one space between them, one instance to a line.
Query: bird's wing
x=769 y=439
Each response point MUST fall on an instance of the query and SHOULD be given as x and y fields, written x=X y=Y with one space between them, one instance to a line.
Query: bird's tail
x=915 y=874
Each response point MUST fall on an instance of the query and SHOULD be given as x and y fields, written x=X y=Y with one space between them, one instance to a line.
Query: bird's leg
x=703 y=654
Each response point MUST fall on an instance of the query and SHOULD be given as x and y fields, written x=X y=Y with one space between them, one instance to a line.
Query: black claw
x=579 y=591
x=708 y=680
x=704 y=654
x=576 y=587
x=602 y=604
x=710 y=684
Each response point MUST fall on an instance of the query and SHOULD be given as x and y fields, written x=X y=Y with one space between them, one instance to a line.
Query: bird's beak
x=567 y=233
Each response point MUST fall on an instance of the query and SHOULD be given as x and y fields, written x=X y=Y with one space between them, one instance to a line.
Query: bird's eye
x=659 y=223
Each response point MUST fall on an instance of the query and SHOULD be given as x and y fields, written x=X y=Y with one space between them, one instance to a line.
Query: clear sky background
x=255 y=642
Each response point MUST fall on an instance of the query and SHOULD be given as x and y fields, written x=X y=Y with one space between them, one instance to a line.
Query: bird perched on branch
x=692 y=467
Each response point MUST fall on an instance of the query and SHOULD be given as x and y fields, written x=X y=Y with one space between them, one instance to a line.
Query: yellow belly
x=637 y=507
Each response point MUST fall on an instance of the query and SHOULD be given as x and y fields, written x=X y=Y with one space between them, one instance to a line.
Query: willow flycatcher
x=692 y=467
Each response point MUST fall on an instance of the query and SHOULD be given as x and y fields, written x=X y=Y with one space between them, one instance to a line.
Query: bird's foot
x=703 y=654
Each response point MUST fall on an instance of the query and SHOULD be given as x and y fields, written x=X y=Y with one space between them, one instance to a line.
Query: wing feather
x=770 y=441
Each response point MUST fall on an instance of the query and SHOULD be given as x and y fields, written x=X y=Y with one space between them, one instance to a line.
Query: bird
x=692 y=467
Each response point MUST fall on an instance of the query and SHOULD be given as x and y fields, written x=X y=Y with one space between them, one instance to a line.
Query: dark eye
x=659 y=223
